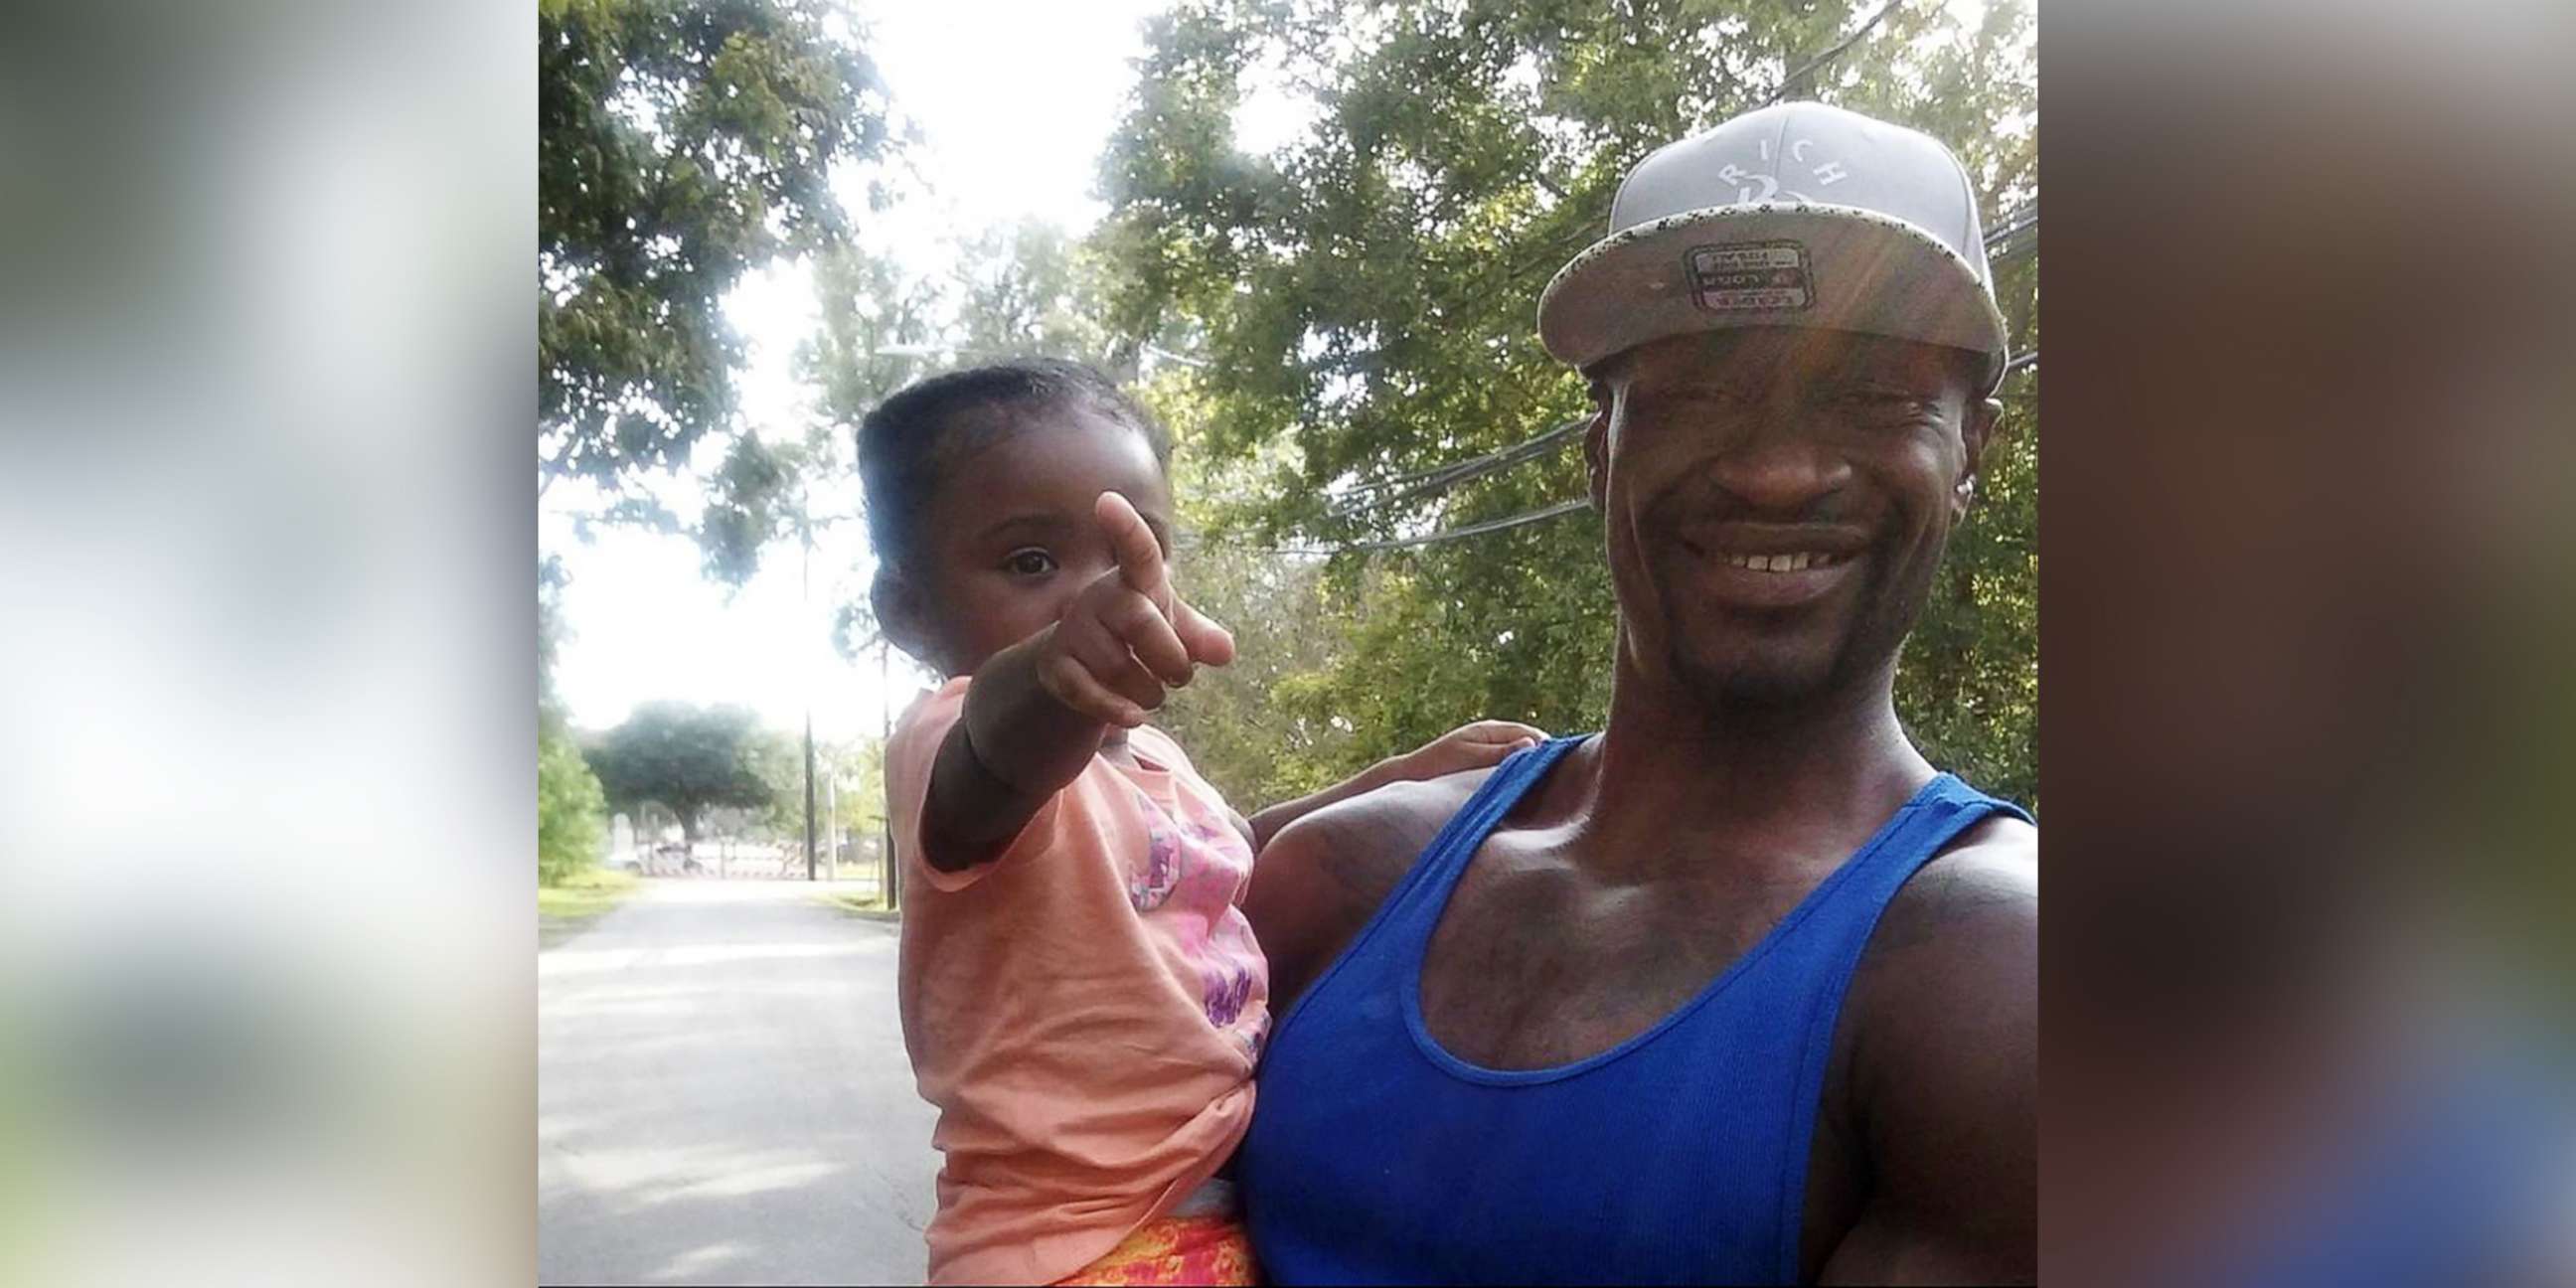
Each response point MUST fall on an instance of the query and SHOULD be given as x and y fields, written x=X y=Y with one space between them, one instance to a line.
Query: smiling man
x=1741 y=989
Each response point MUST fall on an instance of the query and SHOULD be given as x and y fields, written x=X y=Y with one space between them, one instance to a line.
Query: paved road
x=722 y=1096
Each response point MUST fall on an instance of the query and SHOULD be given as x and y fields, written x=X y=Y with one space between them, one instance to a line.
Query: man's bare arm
x=1323 y=876
x=1482 y=744
x=1945 y=1074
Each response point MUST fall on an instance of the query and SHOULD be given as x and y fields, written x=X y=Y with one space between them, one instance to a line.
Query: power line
x=1429 y=472
x=2026 y=217
x=1380 y=493
x=1169 y=356
x=1443 y=477
x=1791 y=80
x=1479 y=529
x=2018 y=237
x=2018 y=362
x=2008 y=241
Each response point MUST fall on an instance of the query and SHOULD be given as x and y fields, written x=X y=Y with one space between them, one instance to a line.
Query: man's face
x=1776 y=501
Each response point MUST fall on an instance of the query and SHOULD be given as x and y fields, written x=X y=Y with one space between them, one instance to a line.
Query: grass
x=568 y=907
x=871 y=907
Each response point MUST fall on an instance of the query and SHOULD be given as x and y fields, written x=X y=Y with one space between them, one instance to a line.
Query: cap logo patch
x=1748 y=277
x=1743 y=179
x=1828 y=174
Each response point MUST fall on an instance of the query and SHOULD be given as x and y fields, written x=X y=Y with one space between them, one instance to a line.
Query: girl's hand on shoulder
x=1471 y=746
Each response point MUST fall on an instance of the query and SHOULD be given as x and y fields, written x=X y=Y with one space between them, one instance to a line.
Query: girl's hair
x=906 y=443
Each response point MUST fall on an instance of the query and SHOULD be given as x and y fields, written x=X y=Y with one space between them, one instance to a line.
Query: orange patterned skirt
x=1210 y=1249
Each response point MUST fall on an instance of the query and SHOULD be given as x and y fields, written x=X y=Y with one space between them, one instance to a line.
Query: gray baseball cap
x=1795 y=215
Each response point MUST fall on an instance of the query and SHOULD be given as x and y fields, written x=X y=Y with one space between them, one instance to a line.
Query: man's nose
x=1778 y=464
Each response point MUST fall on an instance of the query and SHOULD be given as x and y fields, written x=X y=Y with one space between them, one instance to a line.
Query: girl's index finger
x=1140 y=556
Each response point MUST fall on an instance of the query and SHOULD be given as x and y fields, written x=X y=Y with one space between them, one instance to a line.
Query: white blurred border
x=266 y=401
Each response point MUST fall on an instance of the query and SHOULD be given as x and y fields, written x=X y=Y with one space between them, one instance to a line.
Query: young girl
x=1082 y=999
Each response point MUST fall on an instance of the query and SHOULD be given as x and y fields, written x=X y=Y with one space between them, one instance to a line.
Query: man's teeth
x=1798 y=562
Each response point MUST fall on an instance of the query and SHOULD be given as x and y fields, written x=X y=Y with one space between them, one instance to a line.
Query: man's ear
x=899 y=616
x=1984 y=423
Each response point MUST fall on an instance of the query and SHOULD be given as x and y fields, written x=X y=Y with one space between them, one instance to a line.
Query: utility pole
x=805 y=525
x=891 y=881
x=805 y=593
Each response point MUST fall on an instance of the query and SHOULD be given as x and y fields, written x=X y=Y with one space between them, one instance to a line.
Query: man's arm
x=1480 y=745
x=1322 y=877
x=1945 y=1073
x=1264 y=824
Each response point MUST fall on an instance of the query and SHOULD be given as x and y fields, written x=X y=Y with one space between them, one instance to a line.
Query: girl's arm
x=1014 y=746
x=1471 y=746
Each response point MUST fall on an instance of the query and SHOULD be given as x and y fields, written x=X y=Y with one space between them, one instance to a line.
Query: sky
x=1015 y=100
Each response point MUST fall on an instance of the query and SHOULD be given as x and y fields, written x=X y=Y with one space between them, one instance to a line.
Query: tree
x=860 y=772
x=780 y=761
x=688 y=758
x=1240 y=724
x=1023 y=289
x=1028 y=289
x=1364 y=299
x=570 y=808
x=680 y=143
x=571 y=820
x=877 y=320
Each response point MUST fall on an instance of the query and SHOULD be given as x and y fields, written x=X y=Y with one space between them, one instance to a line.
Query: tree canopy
x=1374 y=465
x=679 y=144
x=1365 y=300
x=571 y=812
x=688 y=758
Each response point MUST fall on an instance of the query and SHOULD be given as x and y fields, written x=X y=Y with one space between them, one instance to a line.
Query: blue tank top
x=1677 y=1156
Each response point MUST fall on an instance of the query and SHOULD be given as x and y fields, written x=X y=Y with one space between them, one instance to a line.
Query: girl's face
x=1008 y=539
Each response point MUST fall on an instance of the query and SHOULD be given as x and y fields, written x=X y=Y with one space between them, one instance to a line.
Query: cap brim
x=1791 y=264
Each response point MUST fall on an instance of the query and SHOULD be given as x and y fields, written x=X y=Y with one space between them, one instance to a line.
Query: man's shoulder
x=1972 y=909
x=1372 y=839
x=1323 y=876
x=1937 y=1059
x=1951 y=974
x=1936 y=1065
x=1991 y=871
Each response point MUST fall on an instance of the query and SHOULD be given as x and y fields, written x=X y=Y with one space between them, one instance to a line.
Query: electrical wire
x=1791 y=80
x=2018 y=362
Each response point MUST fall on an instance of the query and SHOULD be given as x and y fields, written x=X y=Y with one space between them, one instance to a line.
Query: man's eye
x=1707 y=394
x=1031 y=562
x=1885 y=402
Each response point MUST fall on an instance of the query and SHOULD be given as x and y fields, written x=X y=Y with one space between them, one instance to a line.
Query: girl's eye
x=1031 y=562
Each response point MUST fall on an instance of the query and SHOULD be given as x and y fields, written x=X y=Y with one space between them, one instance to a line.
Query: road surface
x=722 y=1096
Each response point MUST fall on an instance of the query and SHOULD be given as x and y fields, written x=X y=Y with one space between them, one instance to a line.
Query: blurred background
x=2309 y=716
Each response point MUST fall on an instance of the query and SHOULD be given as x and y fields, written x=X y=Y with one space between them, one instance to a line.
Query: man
x=1741 y=989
